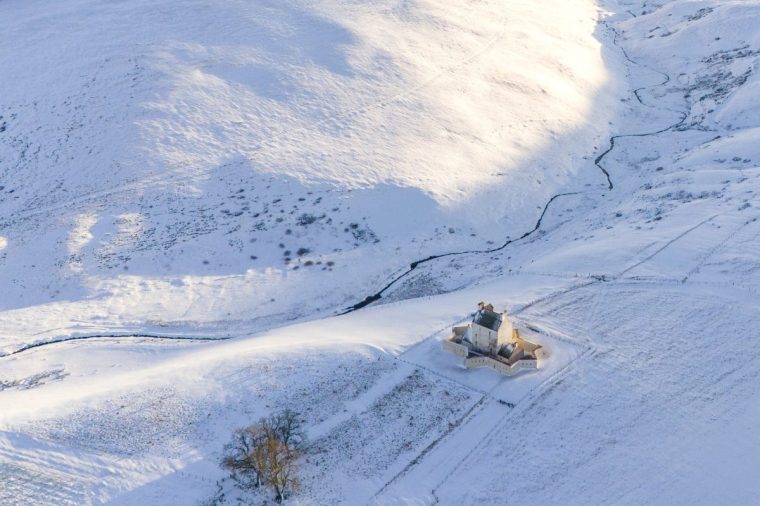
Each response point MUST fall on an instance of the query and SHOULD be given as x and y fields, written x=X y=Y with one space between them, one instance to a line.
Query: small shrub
x=306 y=219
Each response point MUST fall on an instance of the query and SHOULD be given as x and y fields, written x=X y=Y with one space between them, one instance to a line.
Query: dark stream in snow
x=376 y=296
x=105 y=335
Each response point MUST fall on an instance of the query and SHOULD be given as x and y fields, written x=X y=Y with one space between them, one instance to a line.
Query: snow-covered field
x=191 y=192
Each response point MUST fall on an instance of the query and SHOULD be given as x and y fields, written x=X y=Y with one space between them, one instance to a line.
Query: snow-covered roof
x=488 y=319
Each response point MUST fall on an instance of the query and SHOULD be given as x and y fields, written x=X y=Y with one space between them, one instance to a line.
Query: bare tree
x=281 y=468
x=267 y=453
x=288 y=428
x=245 y=455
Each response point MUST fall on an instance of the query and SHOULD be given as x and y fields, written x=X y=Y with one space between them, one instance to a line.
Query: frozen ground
x=125 y=168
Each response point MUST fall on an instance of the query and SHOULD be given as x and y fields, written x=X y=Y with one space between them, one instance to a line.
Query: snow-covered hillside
x=218 y=167
x=174 y=175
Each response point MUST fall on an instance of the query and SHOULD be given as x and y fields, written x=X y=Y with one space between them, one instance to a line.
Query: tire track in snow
x=667 y=244
x=718 y=246
x=475 y=410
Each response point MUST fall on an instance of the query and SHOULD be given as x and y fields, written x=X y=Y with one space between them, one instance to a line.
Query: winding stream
x=369 y=299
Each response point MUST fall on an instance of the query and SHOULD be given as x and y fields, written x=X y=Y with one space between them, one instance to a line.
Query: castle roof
x=488 y=319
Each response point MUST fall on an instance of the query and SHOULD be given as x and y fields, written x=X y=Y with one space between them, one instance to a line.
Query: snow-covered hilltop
x=189 y=192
